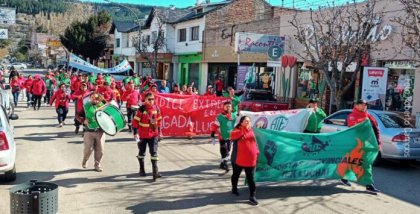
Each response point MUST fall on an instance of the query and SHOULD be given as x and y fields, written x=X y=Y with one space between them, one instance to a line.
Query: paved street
x=191 y=182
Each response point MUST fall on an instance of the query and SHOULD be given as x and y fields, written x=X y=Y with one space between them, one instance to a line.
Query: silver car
x=395 y=144
x=7 y=146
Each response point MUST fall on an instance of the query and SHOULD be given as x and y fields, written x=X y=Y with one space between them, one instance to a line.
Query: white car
x=19 y=66
x=7 y=146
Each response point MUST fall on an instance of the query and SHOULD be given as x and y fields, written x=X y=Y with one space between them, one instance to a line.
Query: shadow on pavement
x=263 y=192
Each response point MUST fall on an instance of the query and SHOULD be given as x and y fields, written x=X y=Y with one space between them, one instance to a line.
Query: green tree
x=88 y=39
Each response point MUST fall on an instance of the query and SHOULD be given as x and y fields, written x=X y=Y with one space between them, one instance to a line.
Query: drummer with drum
x=94 y=136
x=147 y=131
x=132 y=98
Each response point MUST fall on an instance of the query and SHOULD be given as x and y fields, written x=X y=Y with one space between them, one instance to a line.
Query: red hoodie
x=132 y=97
x=107 y=92
x=38 y=87
x=245 y=149
x=356 y=117
x=15 y=85
x=79 y=95
x=22 y=80
x=61 y=99
x=28 y=85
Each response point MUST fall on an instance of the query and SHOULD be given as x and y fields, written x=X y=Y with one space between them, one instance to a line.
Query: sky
x=302 y=4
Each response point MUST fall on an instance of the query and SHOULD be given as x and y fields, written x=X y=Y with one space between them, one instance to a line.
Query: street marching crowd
x=100 y=92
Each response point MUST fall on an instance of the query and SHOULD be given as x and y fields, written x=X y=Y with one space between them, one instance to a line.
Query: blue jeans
x=62 y=113
x=28 y=99
x=15 y=97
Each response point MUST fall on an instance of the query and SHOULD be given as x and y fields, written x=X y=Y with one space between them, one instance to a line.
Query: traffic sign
x=275 y=52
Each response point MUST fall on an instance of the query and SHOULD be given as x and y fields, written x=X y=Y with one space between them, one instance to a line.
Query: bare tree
x=410 y=27
x=336 y=37
x=157 y=42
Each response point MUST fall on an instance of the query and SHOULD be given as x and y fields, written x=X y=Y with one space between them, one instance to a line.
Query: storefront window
x=400 y=87
x=308 y=83
x=193 y=71
x=146 y=69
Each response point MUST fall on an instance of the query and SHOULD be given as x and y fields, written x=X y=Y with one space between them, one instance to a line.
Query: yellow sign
x=54 y=43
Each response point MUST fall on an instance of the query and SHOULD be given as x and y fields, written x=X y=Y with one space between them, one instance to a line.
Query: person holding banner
x=176 y=89
x=132 y=98
x=244 y=156
x=358 y=115
x=94 y=137
x=189 y=91
x=316 y=117
x=209 y=91
x=234 y=99
x=223 y=126
x=147 y=131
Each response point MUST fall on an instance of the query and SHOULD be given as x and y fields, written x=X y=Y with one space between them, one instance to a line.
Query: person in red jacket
x=38 y=89
x=132 y=98
x=75 y=83
x=61 y=104
x=15 y=84
x=176 y=89
x=147 y=123
x=106 y=92
x=209 y=91
x=244 y=156
x=22 y=80
x=219 y=87
x=28 y=86
x=79 y=96
x=358 y=115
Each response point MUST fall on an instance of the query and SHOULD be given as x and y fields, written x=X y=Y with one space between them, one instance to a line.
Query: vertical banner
x=374 y=86
x=289 y=156
x=240 y=77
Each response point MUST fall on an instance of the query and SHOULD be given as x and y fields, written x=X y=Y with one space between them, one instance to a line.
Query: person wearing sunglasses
x=146 y=126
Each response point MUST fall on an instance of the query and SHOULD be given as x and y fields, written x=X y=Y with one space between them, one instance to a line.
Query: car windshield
x=266 y=96
x=393 y=121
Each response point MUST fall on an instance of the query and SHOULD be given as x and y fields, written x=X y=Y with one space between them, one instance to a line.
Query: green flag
x=287 y=156
x=250 y=75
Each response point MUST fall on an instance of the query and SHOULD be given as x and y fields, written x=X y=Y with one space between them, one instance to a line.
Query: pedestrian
x=315 y=119
x=132 y=98
x=28 y=86
x=49 y=84
x=106 y=91
x=358 y=115
x=234 y=99
x=244 y=156
x=219 y=87
x=176 y=89
x=136 y=80
x=62 y=100
x=79 y=96
x=223 y=127
x=22 y=80
x=15 y=84
x=163 y=88
x=13 y=73
x=189 y=91
x=147 y=131
x=209 y=91
x=92 y=78
x=38 y=89
x=94 y=137
x=184 y=89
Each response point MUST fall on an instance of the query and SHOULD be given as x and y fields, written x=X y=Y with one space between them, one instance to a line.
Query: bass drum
x=110 y=119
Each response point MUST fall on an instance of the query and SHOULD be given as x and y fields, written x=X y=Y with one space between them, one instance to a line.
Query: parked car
x=6 y=99
x=391 y=126
x=260 y=100
x=7 y=146
x=19 y=66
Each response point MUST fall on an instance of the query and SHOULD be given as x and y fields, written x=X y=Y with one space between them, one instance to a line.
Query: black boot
x=156 y=173
x=76 y=131
x=130 y=129
x=141 y=163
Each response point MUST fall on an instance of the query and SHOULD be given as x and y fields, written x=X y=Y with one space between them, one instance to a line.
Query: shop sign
x=274 y=64
x=256 y=43
x=374 y=86
x=400 y=65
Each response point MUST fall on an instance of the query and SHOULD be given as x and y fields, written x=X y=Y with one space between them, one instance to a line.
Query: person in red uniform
x=38 y=89
x=61 y=99
x=100 y=80
x=209 y=91
x=132 y=98
x=15 y=84
x=121 y=90
x=189 y=91
x=244 y=156
x=75 y=83
x=106 y=92
x=117 y=95
x=219 y=87
x=22 y=80
x=28 y=86
x=81 y=94
x=146 y=126
x=358 y=115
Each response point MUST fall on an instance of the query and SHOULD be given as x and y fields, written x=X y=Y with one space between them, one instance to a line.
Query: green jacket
x=226 y=126
x=92 y=79
x=49 y=84
x=90 y=111
x=315 y=121
x=235 y=103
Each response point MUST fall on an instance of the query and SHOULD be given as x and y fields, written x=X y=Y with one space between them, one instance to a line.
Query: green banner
x=288 y=156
